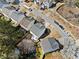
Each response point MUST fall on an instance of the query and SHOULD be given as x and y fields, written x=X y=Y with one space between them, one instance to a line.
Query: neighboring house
x=17 y=16
x=10 y=1
x=49 y=3
x=1 y=5
x=26 y=46
x=46 y=3
x=37 y=30
x=7 y=10
x=27 y=22
x=13 y=1
x=49 y=45
x=3 y=1
x=16 y=1
x=37 y=1
x=21 y=1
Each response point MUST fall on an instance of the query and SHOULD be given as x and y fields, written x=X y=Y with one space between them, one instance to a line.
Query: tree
x=77 y=3
x=8 y=37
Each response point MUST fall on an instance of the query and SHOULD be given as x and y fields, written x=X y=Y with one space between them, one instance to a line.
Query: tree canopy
x=8 y=37
x=77 y=3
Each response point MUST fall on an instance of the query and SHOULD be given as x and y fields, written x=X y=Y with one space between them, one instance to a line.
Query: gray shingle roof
x=26 y=46
x=27 y=22
x=38 y=29
x=10 y=1
x=7 y=10
x=1 y=5
x=17 y=16
x=3 y=1
x=49 y=45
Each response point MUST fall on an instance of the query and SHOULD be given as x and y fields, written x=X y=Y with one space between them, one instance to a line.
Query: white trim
x=35 y=37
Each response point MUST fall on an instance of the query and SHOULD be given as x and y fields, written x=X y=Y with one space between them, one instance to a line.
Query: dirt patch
x=54 y=55
x=70 y=14
x=54 y=33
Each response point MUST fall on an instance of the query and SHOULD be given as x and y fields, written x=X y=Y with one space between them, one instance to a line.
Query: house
x=21 y=1
x=49 y=3
x=17 y=16
x=26 y=46
x=3 y=1
x=49 y=45
x=37 y=30
x=7 y=10
x=27 y=22
x=37 y=1
x=16 y=1
x=1 y=5
x=10 y=1
x=46 y=3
